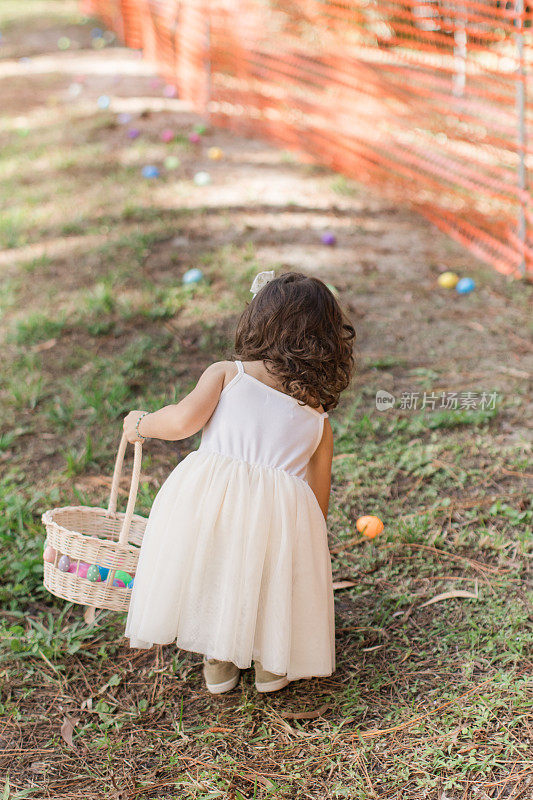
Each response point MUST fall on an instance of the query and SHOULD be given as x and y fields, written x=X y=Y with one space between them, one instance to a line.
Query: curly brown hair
x=297 y=328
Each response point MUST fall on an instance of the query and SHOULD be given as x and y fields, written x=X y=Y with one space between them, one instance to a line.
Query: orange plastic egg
x=369 y=526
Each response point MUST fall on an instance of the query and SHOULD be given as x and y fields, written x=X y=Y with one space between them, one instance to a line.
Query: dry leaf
x=67 y=729
x=343 y=584
x=305 y=714
x=516 y=373
x=450 y=595
x=45 y=345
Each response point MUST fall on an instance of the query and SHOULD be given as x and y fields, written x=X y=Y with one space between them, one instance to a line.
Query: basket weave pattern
x=96 y=536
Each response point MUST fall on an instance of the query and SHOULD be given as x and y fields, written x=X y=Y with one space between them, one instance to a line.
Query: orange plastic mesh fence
x=424 y=99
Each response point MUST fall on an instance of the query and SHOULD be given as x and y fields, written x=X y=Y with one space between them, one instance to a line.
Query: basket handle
x=112 y=507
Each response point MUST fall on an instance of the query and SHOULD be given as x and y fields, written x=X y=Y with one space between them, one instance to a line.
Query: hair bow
x=260 y=280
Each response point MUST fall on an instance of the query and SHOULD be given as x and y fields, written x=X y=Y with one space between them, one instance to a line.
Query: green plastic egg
x=120 y=575
x=93 y=574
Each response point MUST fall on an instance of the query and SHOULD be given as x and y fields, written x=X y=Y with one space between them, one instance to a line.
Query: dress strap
x=324 y=415
x=240 y=368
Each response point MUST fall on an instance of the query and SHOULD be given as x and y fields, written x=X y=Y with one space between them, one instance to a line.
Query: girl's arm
x=186 y=417
x=319 y=469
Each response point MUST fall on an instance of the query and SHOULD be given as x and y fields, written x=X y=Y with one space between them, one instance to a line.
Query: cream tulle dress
x=234 y=562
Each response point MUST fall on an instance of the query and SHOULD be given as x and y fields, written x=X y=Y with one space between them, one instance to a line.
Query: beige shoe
x=220 y=676
x=268 y=681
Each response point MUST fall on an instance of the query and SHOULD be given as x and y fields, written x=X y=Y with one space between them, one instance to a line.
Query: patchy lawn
x=432 y=697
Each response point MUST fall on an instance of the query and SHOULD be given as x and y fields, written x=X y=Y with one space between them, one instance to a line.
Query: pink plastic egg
x=49 y=554
x=194 y=138
x=167 y=135
x=119 y=583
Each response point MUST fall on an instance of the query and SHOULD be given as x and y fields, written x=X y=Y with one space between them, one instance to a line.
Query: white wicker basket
x=101 y=536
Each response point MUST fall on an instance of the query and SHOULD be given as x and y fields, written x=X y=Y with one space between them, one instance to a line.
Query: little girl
x=234 y=562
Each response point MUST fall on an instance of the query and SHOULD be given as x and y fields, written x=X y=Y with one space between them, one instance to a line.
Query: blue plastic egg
x=465 y=286
x=130 y=584
x=193 y=275
x=104 y=572
x=97 y=33
x=150 y=171
x=63 y=564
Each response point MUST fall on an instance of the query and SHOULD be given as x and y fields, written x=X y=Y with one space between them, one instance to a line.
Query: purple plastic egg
x=328 y=238
x=63 y=564
x=133 y=133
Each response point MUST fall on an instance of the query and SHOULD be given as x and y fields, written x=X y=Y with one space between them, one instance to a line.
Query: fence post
x=522 y=134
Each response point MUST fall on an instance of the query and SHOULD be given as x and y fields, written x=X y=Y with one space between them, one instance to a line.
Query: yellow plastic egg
x=448 y=280
x=215 y=153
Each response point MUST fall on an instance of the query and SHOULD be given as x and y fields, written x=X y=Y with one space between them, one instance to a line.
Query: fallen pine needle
x=216 y=729
x=349 y=543
x=382 y=731
x=521 y=774
x=475 y=564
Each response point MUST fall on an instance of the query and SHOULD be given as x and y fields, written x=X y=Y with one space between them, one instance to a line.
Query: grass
x=430 y=699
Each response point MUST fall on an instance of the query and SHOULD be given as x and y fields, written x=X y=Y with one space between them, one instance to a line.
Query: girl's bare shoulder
x=224 y=370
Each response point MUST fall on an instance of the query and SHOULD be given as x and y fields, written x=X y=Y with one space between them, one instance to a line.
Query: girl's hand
x=129 y=426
